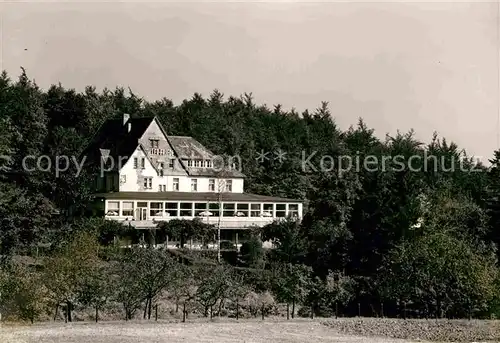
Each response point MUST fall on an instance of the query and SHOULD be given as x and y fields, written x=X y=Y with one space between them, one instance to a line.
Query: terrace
x=230 y=214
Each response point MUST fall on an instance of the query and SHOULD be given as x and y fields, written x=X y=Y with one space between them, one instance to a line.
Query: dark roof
x=114 y=139
x=193 y=196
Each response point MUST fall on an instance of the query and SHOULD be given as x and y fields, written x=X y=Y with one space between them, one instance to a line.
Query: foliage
x=288 y=239
x=23 y=293
x=66 y=272
x=375 y=224
x=441 y=271
x=252 y=253
x=184 y=230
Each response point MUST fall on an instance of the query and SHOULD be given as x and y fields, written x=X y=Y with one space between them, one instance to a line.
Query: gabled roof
x=113 y=139
x=114 y=144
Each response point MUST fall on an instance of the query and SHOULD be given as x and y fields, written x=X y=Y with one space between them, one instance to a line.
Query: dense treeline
x=414 y=235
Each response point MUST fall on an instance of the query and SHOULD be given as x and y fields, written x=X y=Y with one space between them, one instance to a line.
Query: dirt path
x=223 y=332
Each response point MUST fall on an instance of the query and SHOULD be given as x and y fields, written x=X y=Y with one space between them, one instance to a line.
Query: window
x=208 y=164
x=194 y=185
x=229 y=185
x=160 y=168
x=156 y=209
x=211 y=185
x=154 y=143
x=255 y=210
x=268 y=210
x=214 y=208
x=143 y=163
x=229 y=209
x=172 y=208
x=162 y=188
x=197 y=164
x=175 y=185
x=113 y=208
x=148 y=182
x=280 y=210
x=200 y=208
x=242 y=210
x=128 y=208
x=171 y=163
x=293 y=210
x=190 y=163
x=186 y=209
x=135 y=162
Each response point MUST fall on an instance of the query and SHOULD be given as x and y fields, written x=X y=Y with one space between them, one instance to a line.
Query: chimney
x=126 y=117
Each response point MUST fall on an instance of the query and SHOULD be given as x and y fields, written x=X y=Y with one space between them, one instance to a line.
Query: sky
x=427 y=66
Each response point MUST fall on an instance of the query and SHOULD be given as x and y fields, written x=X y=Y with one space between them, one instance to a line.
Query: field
x=254 y=331
x=248 y=331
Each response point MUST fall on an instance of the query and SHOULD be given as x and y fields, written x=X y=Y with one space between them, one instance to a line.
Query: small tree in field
x=143 y=273
x=214 y=286
x=290 y=283
x=340 y=289
x=71 y=264
x=96 y=288
x=23 y=295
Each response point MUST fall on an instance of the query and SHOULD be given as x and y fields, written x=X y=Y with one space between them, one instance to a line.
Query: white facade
x=139 y=175
x=154 y=167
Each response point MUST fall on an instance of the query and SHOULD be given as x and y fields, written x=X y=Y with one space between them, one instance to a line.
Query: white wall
x=238 y=185
x=134 y=177
x=203 y=183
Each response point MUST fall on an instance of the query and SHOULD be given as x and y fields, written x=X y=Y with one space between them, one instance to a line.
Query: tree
x=22 y=294
x=214 y=286
x=340 y=289
x=182 y=285
x=71 y=264
x=442 y=272
x=288 y=239
x=143 y=273
x=95 y=288
x=290 y=283
x=252 y=253
x=185 y=230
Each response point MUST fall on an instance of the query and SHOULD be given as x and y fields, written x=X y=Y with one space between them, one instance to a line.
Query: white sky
x=399 y=65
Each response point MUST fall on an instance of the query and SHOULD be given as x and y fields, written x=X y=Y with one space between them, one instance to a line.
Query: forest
x=412 y=241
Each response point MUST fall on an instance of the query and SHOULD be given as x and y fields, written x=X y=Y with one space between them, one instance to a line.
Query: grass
x=223 y=331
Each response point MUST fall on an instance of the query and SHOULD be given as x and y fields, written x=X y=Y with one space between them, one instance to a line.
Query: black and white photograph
x=249 y=171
